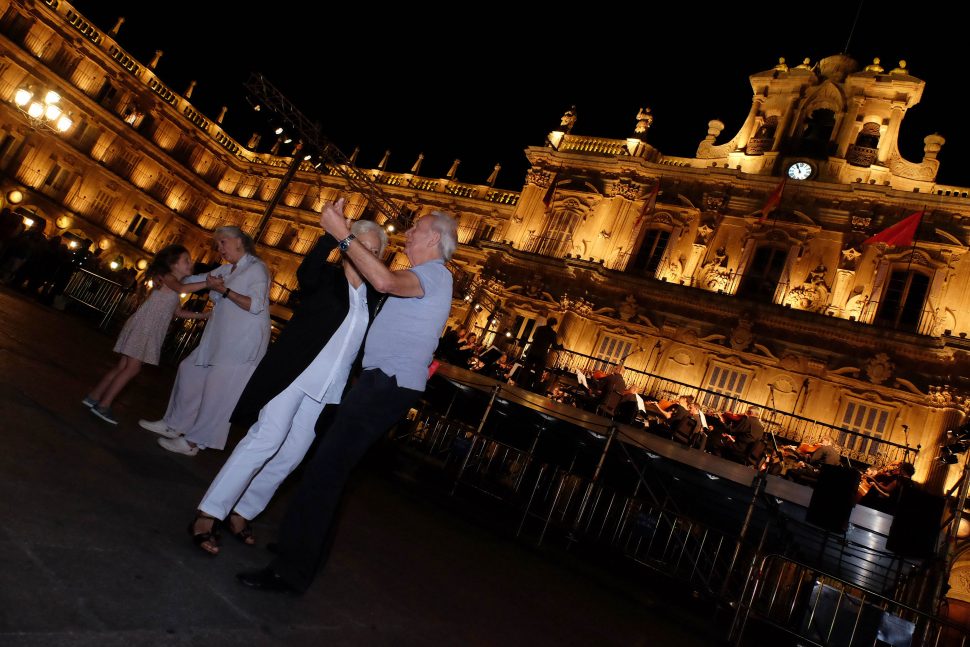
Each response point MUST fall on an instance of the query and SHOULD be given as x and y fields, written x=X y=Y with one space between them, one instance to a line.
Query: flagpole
x=912 y=252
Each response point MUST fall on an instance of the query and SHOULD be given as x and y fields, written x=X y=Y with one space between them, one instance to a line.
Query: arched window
x=901 y=306
x=762 y=274
x=817 y=132
x=651 y=251
x=557 y=238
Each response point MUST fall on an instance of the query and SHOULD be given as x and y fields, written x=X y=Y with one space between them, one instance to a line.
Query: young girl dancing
x=141 y=337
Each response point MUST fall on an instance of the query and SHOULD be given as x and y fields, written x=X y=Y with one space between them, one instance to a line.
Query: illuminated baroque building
x=672 y=263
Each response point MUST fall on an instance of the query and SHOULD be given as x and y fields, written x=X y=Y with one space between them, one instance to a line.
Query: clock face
x=800 y=171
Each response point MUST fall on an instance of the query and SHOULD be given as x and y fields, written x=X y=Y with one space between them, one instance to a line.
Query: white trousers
x=203 y=398
x=272 y=449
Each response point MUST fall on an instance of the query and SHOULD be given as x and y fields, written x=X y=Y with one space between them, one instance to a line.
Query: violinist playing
x=811 y=457
x=743 y=430
x=878 y=489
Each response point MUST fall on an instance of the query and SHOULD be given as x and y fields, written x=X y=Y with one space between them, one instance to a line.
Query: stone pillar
x=840 y=292
x=748 y=128
x=697 y=252
x=888 y=141
x=849 y=129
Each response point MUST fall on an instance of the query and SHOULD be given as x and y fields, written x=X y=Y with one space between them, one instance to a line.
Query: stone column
x=849 y=129
x=887 y=142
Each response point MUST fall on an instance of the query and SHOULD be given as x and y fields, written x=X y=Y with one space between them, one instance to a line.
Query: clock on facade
x=800 y=170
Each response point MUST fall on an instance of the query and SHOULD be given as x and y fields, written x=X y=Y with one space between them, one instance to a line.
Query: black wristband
x=226 y=293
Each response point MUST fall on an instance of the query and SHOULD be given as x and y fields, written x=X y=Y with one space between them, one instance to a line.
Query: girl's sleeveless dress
x=143 y=333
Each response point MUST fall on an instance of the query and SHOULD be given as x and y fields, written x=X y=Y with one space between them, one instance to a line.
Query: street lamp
x=44 y=112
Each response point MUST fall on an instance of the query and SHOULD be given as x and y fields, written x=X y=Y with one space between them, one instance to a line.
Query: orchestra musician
x=611 y=388
x=879 y=488
x=743 y=431
x=808 y=459
x=681 y=419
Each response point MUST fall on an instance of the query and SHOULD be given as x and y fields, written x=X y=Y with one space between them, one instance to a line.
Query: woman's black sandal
x=207 y=541
x=244 y=534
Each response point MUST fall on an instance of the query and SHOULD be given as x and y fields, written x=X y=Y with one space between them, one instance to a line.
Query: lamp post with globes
x=43 y=109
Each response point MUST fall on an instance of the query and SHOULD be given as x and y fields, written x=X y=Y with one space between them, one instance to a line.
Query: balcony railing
x=861 y=156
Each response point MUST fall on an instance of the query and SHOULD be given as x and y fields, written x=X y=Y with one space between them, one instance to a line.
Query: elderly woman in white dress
x=211 y=378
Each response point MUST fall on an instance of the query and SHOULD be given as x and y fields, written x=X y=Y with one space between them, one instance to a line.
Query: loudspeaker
x=833 y=498
x=915 y=531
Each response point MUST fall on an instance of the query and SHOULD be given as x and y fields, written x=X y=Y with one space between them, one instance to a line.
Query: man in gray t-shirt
x=397 y=352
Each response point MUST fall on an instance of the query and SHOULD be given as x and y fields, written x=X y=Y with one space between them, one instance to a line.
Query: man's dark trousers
x=372 y=405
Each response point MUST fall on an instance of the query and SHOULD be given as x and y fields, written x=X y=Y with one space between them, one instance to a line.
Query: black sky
x=481 y=82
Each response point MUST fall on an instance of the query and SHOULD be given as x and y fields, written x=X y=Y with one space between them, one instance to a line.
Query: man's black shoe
x=265 y=580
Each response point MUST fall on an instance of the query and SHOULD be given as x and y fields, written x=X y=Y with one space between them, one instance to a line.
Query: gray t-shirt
x=403 y=337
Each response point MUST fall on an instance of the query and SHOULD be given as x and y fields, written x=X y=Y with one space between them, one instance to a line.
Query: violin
x=733 y=417
x=808 y=448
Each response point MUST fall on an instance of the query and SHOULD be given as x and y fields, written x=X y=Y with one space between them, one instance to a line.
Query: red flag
x=773 y=200
x=650 y=204
x=550 y=192
x=899 y=235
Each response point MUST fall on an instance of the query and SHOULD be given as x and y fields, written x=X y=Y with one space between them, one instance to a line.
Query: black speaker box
x=915 y=531
x=833 y=498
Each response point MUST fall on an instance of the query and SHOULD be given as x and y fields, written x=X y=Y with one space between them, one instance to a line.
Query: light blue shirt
x=403 y=337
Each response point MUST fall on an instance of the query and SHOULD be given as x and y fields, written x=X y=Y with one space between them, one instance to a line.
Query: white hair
x=447 y=228
x=363 y=226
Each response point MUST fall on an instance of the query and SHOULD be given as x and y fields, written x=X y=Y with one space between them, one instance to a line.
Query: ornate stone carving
x=624 y=189
x=813 y=294
x=715 y=274
x=714 y=201
x=879 y=368
x=855 y=303
x=629 y=308
x=850 y=259
x=568 y=120
x=579 y=305
x=539 y=178
x=644 y=121
x=860 y=223
x=703 y=235
x=742 y=337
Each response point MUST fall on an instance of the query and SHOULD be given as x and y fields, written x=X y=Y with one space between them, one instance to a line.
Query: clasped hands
x=215 y=283
x=333 y=220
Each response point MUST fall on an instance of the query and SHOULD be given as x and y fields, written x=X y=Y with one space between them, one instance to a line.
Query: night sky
x=491 y=83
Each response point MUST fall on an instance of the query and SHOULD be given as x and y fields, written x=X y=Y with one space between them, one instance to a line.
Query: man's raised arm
x=401 y=283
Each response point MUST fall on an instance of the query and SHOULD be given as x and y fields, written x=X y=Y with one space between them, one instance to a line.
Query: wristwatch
x=344 y=245
x=226 y=293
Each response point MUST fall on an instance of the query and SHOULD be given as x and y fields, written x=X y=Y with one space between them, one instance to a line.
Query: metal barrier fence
x=818 y=609
x=787 y=427
x=99 y=293
x=602 y=491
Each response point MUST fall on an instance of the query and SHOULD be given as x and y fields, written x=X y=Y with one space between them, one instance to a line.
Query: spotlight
x=278 y=131
x=947 y=457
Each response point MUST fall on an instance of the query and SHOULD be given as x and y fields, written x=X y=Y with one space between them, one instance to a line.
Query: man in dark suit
x=543 y=340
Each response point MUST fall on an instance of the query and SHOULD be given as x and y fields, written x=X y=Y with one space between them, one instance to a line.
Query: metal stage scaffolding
x=565 y=475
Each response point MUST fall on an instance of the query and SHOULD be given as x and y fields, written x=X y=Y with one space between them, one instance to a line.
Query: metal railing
x=97 y=292
x=819 y=609
x=873 y=450
x=617 y=499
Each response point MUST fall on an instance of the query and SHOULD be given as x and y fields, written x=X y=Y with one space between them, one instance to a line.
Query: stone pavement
x=94 y=549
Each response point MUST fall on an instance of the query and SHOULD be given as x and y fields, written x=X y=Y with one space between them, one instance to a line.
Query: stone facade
x=672 y=263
